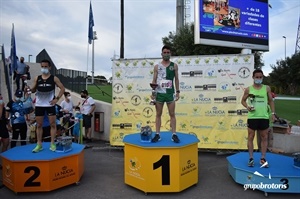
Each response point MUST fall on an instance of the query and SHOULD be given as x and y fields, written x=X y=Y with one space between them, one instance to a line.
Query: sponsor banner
x=209 y=105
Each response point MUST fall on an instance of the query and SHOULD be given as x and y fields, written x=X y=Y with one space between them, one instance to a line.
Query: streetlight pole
x=284 y=47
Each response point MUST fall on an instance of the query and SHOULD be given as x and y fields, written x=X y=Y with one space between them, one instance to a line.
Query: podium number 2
x=164 y=163
x=36 y=173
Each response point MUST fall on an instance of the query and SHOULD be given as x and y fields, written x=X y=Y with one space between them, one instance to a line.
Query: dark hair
x=46 y=61
x=84 y=92
x=165 y=47
x=257 y=71
x=77 y=108
x=66 y=94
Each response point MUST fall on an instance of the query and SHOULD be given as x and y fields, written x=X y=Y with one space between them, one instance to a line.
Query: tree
x=182 y=44
x=286 y=75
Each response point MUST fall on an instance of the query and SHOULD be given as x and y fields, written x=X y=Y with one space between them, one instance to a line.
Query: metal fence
x=72 y=79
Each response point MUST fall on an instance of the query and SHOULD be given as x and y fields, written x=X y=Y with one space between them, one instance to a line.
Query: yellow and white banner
x=209 y=105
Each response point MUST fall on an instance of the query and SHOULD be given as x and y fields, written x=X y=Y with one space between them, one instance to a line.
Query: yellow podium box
x=164 y=166
x=24 y=171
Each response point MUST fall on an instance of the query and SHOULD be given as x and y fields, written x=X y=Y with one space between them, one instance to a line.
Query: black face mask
x=83 y=96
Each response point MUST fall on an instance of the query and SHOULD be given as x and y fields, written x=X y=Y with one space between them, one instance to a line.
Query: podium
x=281 y=177
x=163 y=166
x=24 y=171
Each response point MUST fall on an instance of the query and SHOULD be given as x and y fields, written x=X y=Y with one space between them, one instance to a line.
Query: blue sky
x=61 y=27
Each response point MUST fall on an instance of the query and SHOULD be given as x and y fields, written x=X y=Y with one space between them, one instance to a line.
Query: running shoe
x=37 y=149
x=175 y=138
x=264 y=162
x=53 y=147
x=251 y=162
x=156 y=138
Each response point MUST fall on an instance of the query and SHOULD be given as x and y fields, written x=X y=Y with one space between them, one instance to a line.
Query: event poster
x=209 y=107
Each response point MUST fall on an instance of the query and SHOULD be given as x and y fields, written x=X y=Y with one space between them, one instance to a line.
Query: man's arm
x=155 y=72
x=33 y=88
x=176 y=77
x=92 y=109
x=244 y=99
x=271 y=102
x=60 y=85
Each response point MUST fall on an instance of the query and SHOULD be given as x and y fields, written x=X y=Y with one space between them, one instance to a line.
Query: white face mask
x=44 y=70
x=77 y=112
x=258 y=81
x=69 y=97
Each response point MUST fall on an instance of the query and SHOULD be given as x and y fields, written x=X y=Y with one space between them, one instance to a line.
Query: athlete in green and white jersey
x=165 y=75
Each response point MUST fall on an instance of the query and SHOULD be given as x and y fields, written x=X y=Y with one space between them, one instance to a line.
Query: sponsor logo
x=148 y=112
x=214 y=112
x=237 y=112
x=201 y=99
x=227 y=99
x=238 y=86
x=210 y=73
x=118 y=88
x=63 y=173
x=122 y=126
x=136 y=100
x=195 y=73
x=244 y=72
x=118 y=137
x=184 y=87
x=224 y=87
x=134 y=76
x=240 y=124
x=188 y=168
x=206 y=87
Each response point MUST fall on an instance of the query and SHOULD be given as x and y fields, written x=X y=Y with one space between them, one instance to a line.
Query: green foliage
x=286 y=75
x=288 y=109
x=182 y=44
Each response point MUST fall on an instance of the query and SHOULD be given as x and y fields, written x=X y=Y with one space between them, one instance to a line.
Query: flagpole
x=91 y=36
x=87 y=66
x=13 y=58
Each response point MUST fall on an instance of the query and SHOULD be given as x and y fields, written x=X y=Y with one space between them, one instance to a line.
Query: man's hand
x=177 y=97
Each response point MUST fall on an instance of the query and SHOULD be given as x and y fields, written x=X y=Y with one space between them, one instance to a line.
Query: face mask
x=166 y=57
x=69 y=98
x=258 y=81
x=77 y=112
x=1 y=101
x=44 y=70
x=82 y=96
x=17 y=98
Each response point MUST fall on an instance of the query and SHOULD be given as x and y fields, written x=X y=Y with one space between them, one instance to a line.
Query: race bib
x=166 y=83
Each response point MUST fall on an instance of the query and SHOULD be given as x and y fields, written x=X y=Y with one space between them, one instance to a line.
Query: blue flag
x=91 y=24
x=13 y=55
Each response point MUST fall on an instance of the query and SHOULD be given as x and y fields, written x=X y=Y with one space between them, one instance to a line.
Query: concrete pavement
x=103 y=178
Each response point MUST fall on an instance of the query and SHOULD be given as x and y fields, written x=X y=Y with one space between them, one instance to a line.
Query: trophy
x=154 y=93
x=146 y=134
x=251 y=98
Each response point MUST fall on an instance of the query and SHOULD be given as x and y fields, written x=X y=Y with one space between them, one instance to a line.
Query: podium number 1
x=164 y=163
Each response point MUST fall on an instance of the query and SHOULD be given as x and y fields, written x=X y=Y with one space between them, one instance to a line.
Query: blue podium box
x=280 y=177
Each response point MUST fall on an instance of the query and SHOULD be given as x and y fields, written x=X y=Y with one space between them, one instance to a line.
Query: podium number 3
x=164 y=163
x=36 y=173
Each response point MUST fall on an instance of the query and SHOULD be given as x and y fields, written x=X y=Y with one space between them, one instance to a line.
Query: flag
x=13 y=55
x=91 y=24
